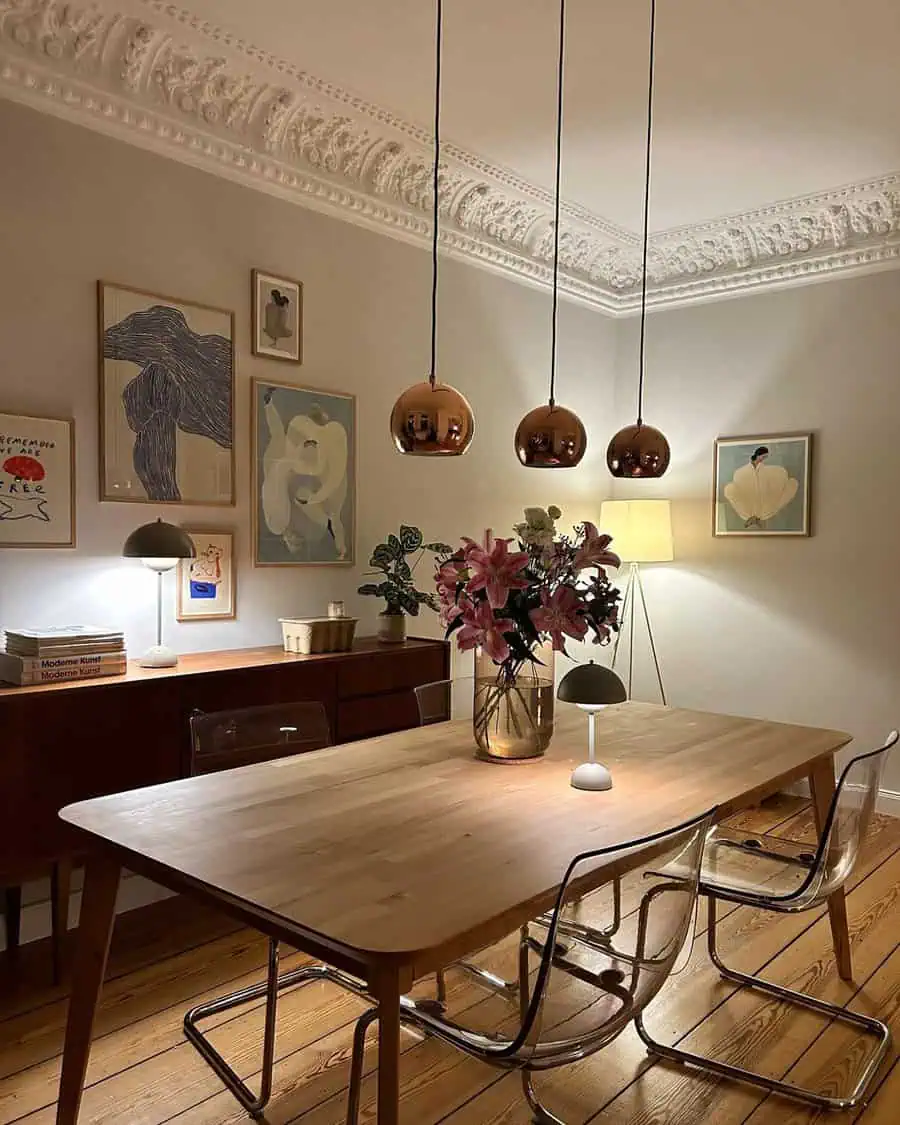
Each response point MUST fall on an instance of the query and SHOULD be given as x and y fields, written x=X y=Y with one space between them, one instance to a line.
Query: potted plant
x=516 y=608
x=391 y=561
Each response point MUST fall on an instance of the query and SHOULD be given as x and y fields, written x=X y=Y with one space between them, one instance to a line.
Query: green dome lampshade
x=158 y=540
x=591 y=685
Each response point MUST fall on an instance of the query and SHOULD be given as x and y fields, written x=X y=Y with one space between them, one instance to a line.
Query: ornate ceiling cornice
x=251 y=117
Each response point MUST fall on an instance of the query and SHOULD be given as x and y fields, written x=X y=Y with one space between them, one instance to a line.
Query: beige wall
x=77 y=206
x=802 y=630
x=799 y=630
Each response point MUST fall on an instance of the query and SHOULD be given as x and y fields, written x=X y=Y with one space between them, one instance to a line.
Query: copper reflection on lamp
x=638 y=451
x=550 y=437
x=432 y=419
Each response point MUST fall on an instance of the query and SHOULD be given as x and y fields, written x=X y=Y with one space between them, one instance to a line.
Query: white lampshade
x=641 y=529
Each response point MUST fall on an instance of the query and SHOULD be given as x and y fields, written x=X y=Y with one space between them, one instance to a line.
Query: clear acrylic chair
x=219 y=741
x=577 y=990
x=769 y=873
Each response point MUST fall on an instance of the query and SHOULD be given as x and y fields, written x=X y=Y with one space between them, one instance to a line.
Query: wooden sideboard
x=65 y=742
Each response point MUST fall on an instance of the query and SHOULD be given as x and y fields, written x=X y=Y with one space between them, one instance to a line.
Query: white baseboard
x=36 y=921
x=888 y=801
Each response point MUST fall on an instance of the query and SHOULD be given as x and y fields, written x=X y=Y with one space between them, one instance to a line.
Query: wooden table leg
x=98 y=908
x=821 y=781
x=388 y=993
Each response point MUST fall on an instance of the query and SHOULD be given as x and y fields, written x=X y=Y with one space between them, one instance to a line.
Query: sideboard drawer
x=392 y=671
x=376 y=714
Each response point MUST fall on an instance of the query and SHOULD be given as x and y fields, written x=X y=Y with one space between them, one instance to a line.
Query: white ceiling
x=757 y=100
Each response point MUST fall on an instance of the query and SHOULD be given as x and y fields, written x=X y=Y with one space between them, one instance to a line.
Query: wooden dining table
x=393 y=858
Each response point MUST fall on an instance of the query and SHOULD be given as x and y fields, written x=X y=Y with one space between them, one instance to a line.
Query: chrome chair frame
x=506 y=1054
x=270 y=988
x=792 y=903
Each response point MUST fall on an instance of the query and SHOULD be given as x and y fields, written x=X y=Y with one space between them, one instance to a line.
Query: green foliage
x=391 y=559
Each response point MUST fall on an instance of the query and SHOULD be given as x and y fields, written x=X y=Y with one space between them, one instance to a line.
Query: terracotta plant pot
x=392 y=628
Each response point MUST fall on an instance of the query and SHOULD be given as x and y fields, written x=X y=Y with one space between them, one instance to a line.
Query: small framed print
x=37 y=481
x=762 y=485
x=277 y=330
x=207 y=583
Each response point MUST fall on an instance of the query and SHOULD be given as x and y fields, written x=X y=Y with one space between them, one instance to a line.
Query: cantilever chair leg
x=254 y=1104
x=866 y=1024
x=541 y=1115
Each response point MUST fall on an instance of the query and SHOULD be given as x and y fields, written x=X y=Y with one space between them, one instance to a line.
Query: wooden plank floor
x=171 y=955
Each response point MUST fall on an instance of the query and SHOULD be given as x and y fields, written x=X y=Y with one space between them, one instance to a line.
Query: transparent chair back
x=580 y=987
x=225 y=739
x=794 y=876
x=445 y=699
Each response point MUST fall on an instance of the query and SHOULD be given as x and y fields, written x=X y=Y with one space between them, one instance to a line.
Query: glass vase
x=513 y=712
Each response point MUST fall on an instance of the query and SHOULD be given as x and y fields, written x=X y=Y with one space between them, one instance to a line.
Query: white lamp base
x=159 y=656
x=592 y=776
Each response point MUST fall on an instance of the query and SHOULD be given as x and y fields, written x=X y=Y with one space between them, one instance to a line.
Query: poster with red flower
x=37 y=482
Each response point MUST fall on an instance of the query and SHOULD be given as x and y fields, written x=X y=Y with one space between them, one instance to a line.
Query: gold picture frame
x=283 y=315
x=188 y=576
x=135 y=344
x=317 y=425
x=23 y=496
x=753 y=505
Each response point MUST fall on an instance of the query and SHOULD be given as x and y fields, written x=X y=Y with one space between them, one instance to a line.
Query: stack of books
x=68 y=652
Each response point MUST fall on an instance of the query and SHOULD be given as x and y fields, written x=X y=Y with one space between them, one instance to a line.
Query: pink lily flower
x=559 y=614
x=593 y=551
x=447 y=579
x=497 y=572
x=480 y=627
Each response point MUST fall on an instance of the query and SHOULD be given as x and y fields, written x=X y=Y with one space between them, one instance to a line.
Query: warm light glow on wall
x=641 y=529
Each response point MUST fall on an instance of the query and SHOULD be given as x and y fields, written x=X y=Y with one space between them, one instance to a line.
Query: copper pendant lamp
x=640 y=450
x=552 y=437
x=432 y=419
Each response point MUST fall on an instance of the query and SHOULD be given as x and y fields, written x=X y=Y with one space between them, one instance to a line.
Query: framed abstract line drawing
x=763 y=485
x=207 y=584
x=37 y=481
x=277 y=329
x=166 y=399
x=303 y=445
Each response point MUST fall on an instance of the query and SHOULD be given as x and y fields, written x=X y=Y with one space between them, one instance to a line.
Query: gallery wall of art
x=798 y=629
x=83 y=208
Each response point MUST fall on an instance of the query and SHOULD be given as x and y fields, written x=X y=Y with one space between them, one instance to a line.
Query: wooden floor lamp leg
x=821 y=781
x=60 y=891
x=98 y=908
x=388 y=994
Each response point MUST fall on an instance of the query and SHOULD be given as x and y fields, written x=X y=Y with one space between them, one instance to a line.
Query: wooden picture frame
x=762 y=485
x=30 y=460
x=206 y=570
x=172 y=460
x=295 y=428
x=276 y=315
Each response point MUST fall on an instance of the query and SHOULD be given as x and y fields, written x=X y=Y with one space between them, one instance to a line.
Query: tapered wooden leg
x=12 y=908
x=60 y=890
x=98 y=907
x=388 y=993
x=821 y=781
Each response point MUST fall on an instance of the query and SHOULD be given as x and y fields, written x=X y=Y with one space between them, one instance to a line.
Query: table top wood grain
x=406 y=849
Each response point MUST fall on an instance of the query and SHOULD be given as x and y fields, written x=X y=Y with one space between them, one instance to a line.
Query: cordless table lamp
x=591 y=687
x=159 y=546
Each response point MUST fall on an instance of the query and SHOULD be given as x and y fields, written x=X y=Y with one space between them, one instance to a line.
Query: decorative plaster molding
x=307 y=140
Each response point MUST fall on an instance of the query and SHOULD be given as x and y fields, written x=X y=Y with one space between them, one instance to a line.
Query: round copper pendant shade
x=432 y=419
x=550 y=437
x=638 y=451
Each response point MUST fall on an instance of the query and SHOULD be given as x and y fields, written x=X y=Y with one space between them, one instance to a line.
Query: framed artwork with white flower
x=277 y=317
x=762 y=485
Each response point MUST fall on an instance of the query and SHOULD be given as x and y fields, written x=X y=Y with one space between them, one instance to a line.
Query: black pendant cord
x=640 y=411
x=559 y=135
x=436 y=186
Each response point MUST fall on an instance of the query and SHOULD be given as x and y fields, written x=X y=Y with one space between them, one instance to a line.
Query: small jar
x=336 y=609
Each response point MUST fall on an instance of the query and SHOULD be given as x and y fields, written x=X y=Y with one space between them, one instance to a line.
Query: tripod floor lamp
x=642 y=533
